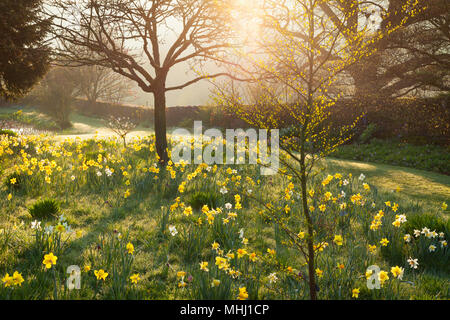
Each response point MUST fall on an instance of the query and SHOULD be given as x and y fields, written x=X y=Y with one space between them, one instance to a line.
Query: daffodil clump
x=134 y=231
x=346 y=209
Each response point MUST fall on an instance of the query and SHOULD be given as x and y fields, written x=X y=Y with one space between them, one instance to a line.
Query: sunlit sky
x=198 y=94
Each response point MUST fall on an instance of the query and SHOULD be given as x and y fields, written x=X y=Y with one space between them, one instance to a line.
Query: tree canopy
x=24 y=56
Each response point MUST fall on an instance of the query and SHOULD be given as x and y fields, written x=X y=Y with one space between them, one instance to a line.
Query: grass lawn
x=393 y=152
x=425 y=188
x=86 y=127
x=208 y=232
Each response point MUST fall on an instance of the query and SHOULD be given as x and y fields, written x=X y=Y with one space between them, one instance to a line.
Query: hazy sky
x=196 y=94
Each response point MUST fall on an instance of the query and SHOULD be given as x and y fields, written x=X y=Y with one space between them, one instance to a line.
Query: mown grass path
x=417 y=185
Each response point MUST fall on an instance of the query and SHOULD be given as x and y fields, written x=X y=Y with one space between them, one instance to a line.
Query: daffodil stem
x=55 y=291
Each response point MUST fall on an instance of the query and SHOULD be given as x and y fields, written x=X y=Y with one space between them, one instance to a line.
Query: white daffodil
x=413 y=263
x=272 y=277
x=173 y=231
x=223 y=190
x=36 y=225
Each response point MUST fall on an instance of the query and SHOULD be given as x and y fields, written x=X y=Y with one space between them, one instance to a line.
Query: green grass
x=425 y=188
x=96 y=208
x=426 y=157
x=85 y=127
x=29 y=117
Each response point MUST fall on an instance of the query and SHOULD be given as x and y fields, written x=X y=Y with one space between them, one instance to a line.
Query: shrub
x=44 y=209
x=187 y=123
x=55 y=96
x=368 y=133
x=121 y=126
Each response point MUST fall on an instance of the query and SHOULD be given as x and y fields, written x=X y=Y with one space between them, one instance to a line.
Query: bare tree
x=55 y=95
x=128 y=36
x=121 y=126
x=99 y=83
x=414 y=56
x=304 y=54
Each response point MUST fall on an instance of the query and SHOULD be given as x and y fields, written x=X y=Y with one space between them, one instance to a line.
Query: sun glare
x=246 y=14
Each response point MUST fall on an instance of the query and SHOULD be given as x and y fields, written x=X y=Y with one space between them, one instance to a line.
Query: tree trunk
x=310 y=240
x=160 y=125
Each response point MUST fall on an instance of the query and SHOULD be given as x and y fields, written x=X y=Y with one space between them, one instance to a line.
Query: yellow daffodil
x=130 y=248
x=383 y=276
x=204 y=266
x=397 y=272
x=384 y=242
x=135 y=278
x=49 y=260
x=215 y=283
x=17 y=278
x=338 y=240
x=243 y=294
x=101 y=274
x=319 y=272
x=7 y=280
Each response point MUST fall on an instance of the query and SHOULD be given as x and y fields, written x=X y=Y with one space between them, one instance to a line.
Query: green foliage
x=428 y=220
x=93 y=155
x=15 y=181
x=33 y=119
x=200 y=198
x=413 y=120
x=192 y=243
x=425 y=157
x=368 y=133
x=163 y=221
x=24 y=57
x=149 y=216
x=8 y=133
x=114 y=255
x=433 y=287
x=44 y=209
x=418 y=247
x=205 y=290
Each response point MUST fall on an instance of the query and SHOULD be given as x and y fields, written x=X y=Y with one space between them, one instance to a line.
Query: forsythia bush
x=241 y=239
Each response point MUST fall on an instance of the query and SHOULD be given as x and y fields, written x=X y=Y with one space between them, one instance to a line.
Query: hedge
x=413 y=120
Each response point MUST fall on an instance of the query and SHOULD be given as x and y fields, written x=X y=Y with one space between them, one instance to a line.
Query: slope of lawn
x=423 y=187
x=137 y=203
x=110 y=196
x=393 y=152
